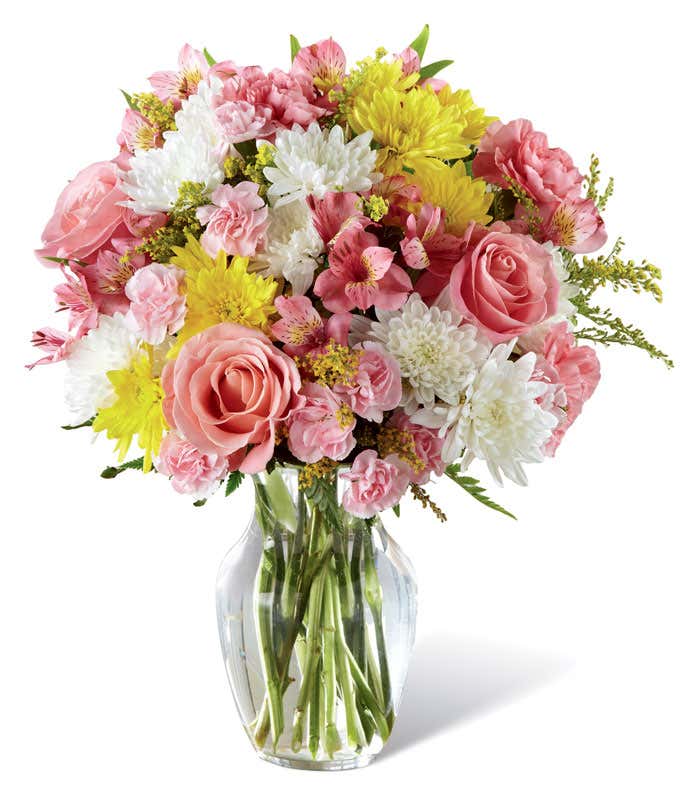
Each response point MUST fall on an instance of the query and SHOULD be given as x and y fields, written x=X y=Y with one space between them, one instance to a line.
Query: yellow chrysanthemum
x=136 y=410
x=473 y=118
x=464 y=199
x=371 y=75
x=219 y=291
x=414 y=129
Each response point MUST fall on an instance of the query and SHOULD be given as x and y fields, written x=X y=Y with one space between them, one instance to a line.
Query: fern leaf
x=475 y=490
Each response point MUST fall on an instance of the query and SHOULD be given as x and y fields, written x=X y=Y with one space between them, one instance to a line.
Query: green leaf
x=60 y=260
x=433 y=68
x=420 y=42
x=475 y=490
x=128 y=98
x=200 y=502
x=294 y=47
x=233 y=482
x=113 y=471
x=397 y=510
x=86 y=423
x=211 y=61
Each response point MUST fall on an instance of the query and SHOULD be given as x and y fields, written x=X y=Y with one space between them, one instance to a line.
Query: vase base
x=327 y=765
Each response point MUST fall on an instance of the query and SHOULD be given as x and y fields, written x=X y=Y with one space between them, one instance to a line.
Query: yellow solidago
x=474 y=119
x=136 y=410
x=392 y=440
x=464 y=199
x=219 y=291
x=159 y=114
x=315 y=471
x=337 y=364
x=414 y=130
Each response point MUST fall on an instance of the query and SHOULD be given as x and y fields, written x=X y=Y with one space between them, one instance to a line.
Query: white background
x=547 y=657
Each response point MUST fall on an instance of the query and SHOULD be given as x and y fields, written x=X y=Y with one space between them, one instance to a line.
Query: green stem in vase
x=315 y=714
x=357 y=638
x=330 y=738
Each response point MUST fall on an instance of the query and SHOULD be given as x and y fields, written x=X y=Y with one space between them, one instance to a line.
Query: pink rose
x=156 y=306
x=505 y=284
x=428 y=447
x=228 y=391
x=375 y=484
x=191 y=471
x=320 y=428
x=236 y=220
x=87 y=212
x=377 y=387
x=518 y=152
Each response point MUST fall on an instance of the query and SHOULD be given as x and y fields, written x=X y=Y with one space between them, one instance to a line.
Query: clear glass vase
x=316 y=612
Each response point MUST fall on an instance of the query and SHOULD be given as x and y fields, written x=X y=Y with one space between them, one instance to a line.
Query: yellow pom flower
x=369 y=76
x=414 y=129
x=464 y=199
x=473 y=118
x=136 y=410
x=219 y=291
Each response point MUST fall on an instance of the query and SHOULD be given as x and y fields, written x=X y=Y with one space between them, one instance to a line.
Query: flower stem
x=331 y=739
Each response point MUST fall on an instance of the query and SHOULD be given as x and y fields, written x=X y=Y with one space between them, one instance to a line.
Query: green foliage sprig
x=592 y=181
x=113 y=471
x=475 y=490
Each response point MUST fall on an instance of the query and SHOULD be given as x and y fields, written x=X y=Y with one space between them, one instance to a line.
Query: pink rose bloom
x=193 y=67
x=228 y=391
x=332 y=212
x=426 y=244
x=505 y=284
x=236 y=220
x=323 y=64
x=191 y=471
x=377 y=387
x=375 y=484
x=517 y=151
x=86 y=215
x=156 y=306
x=318 y=428
x=428 y=446
x=361 y=274
x=575 y=224
x=301 y=328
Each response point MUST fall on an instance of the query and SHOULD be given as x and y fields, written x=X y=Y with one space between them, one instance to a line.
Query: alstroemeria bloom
x=332 y=212
x=112 y=269
x=302 y=329
x=54 y=343
x=575 y=224
x=323 y=63
x=321 y=427
x=74 y=295
x=193 y=67
x=426 y=243
x=361 y=274
x=410 y=61
x=137 y=132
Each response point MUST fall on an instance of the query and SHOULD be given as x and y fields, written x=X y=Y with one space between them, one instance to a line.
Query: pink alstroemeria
x=361 y=274
x=138 y=133
x=302 y=329
x=426 y=242
x=177 y=86
x=75 y=296
x=323 y=63
x=54 y=343
x=410 y=61
x=332 y=212
x=575 y=224
x=401 y=198
x=110 y=273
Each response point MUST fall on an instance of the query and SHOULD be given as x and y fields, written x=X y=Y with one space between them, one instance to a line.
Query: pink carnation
x=517 y=152
x=228 y=391
x=301 y=328
x=505 y=284
x=374 y=484
x=428 y=447
x=191 y=471
x=156 y=306
x=318 y=428
x=377 y=387
x=86 y=215
x=236 y=220
x=179 y=85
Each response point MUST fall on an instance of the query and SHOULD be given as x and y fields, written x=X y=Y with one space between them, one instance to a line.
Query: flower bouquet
x=342 y=282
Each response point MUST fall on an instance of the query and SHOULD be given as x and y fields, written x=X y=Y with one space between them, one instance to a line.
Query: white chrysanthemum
x=194 y=152
x=500 y=421
x=313 y=162
x=293 y=246
x=438 y=355
x=111 y=345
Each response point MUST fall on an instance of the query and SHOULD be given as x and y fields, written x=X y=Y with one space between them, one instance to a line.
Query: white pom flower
x=293 y=246
x=111 y=345
x=194 y=152
x=313 y=162
x=438 y=355
x=500 y=421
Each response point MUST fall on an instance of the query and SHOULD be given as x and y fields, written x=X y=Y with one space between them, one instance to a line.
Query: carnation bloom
x=376 y=386
x=227 y=393
x=236 y=220
x=515 y=153
x=501 y=420
x=191 y=471
x=322 y=63
x=86 y=214
x=321 y=427
x=505 y=284
x=302 y=329
x=427 y=444
x=361 y=274
x=374 y=484
x=180 y=85
x=156 y=306
x=313 y=162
